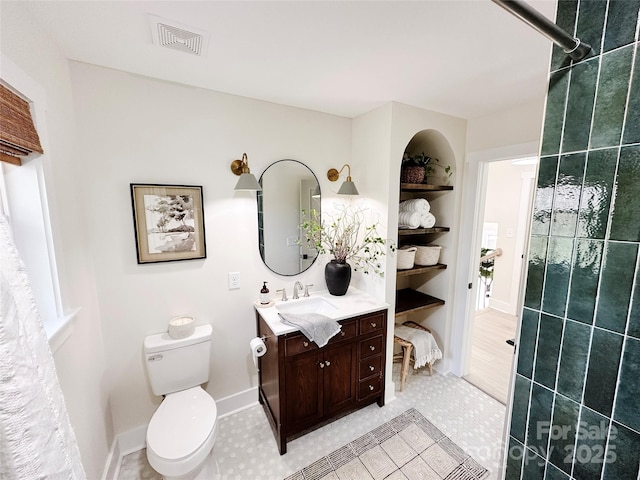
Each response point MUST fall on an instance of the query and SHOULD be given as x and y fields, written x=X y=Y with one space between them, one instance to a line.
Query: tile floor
x=246 y=449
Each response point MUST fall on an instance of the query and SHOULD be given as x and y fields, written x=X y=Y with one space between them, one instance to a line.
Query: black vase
x=338 y=276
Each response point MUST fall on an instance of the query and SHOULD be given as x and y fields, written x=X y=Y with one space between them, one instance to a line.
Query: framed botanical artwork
x=168 y=222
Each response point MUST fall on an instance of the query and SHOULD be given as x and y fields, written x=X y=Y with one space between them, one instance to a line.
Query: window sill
x=59 y=331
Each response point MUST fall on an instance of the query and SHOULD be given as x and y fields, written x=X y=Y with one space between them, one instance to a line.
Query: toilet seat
x=182 y=432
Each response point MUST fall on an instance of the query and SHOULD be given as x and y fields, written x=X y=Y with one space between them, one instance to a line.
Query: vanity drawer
x=370 y=324
x=369 y=366
x=298 y=344
x=349 y=330
x=370 y=346
x=369 y=387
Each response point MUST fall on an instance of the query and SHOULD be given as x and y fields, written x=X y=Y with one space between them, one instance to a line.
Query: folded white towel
x=408 y=220
x=420 y=205
x=425 y=348
x=316 y=327
x=427 y=220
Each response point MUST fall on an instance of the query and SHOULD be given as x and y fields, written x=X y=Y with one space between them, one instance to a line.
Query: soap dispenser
x=264 y=294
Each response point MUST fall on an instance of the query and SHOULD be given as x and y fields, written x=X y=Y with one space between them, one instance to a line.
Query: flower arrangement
x=347 y=237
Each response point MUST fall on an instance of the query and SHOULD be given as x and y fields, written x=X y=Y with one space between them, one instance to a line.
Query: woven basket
x=427 y=255
x=412 y=174
x=406 y=256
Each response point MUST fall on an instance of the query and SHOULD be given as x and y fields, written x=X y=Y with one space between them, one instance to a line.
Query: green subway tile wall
x=576 y=397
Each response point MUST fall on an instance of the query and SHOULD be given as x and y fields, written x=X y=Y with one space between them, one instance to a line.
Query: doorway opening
x=502 y=225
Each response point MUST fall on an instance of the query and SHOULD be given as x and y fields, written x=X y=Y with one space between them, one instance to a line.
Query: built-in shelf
x=417 y=270
x=424 y=187
x=409 y=301
x=422 y=231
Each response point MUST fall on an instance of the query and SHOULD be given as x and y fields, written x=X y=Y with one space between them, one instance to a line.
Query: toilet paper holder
x=258 y=349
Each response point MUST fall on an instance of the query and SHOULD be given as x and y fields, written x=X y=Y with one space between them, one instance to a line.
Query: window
x=23 y=200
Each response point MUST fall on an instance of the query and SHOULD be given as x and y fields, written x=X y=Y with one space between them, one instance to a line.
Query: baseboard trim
x=237 y=402
x=135 y=439
x=504 y=307
x=112 y=465
x=124 y=444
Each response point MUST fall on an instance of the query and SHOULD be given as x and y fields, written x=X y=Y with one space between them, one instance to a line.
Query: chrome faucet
x=296 y=286
x=306 y=289
x=284 y=294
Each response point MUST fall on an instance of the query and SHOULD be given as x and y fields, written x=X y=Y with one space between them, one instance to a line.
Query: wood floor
x=491 y=356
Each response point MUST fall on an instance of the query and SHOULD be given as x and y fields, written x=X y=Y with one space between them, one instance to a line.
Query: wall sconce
x=348 y=187
x=246 y=182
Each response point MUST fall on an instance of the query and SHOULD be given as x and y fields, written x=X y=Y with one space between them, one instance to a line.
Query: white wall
x=80 y=361
x=511 y=127
x=510 y=134
x=134 y=129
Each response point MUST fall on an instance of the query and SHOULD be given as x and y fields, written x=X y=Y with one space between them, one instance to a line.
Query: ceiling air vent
x=169 y=34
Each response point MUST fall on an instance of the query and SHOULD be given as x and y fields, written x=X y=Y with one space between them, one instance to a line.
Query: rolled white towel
x=408 y=220
x=420 y=205
x=427 y=220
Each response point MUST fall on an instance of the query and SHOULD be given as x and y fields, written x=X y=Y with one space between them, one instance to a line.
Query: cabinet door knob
x=305 y=344
x=321 y=364
x=342 y=334
x=372 y=368
x=372 y=348
x=373 y=325
x=371 y=388
x=327 y=363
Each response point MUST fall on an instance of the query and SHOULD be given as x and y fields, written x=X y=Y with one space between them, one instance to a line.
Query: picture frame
x=168 y=222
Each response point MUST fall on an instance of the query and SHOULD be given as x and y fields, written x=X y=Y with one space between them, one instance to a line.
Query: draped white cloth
x=425 y=348
x=36 y=438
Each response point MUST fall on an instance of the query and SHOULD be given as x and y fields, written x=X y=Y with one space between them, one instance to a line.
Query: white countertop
x=352 y=304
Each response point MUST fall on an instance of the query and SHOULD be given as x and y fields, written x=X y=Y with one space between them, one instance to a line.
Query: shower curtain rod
x=572 y=46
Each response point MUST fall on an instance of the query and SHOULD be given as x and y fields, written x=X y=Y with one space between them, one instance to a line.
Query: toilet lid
x=182 y=423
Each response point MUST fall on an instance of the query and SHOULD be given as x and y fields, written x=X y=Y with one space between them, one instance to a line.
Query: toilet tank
x=175 y=365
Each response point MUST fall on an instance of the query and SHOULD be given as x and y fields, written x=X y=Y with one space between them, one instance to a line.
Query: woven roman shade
x=18 y=136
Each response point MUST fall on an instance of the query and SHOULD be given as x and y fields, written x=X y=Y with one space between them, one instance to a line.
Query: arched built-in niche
x=415 y=286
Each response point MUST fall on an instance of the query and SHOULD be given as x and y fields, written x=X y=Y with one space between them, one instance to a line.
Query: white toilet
x=183 y=430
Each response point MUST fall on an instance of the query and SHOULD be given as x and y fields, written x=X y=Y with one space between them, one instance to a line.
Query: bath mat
x=406 y=447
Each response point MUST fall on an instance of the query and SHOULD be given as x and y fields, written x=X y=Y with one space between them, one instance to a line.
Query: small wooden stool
x=405 y=356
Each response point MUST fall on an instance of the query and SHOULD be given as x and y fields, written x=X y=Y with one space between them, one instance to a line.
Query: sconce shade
x=348 y=187
x=247 y=182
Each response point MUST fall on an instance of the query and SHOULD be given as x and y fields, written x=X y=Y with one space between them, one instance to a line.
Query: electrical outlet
x=234 y=280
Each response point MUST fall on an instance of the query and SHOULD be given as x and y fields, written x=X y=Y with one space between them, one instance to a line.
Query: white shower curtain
x=36 y=438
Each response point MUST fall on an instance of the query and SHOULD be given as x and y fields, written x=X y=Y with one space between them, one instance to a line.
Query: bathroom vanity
x=303 y=386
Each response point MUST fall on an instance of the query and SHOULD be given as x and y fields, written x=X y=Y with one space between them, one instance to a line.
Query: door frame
x=473 y=199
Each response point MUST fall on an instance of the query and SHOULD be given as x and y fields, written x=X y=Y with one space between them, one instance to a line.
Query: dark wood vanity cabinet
x=318 y=386
x=303 y=386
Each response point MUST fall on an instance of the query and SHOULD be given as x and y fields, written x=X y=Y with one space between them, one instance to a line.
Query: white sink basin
x=307 y=305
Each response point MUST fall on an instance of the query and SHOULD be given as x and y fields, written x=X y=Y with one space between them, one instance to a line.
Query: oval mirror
x=289 y=188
